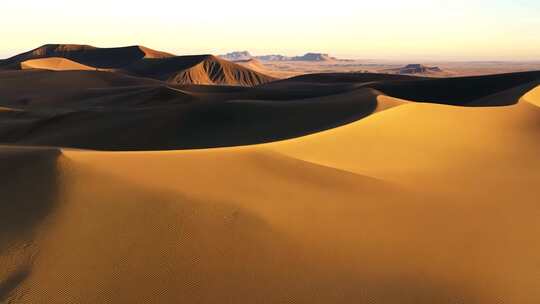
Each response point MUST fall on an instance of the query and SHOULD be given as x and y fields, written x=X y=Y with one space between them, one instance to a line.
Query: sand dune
x=54 y=64
x=106 y=58
x=308 y=210
x=462 y=91
x=196 y=124
x=159 y=116
x=366 y=198
x=138 y=61
x=203 y=69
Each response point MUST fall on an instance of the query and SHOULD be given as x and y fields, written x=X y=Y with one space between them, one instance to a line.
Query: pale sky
x=374 y=29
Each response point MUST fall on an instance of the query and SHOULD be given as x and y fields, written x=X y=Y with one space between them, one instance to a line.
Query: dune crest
x=533 y=96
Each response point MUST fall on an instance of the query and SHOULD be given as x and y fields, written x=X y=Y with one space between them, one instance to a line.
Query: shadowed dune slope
x=462 y=91
x=58 y=89
x=347 y=78
x=201 y=69
x=29 y=184
x=193 y=125
x=89 y=55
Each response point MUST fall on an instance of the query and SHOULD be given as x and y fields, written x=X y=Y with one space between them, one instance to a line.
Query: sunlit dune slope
x=54 y=64
x=533 y=96
x=475 y=150
x=253 y=64
x=297 y=219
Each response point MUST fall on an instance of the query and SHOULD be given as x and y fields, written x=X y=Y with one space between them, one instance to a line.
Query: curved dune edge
x=55 y=64
x=533 y=96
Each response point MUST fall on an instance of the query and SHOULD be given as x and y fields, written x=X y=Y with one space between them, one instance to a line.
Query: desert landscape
x=131 y=175
x=285 y=66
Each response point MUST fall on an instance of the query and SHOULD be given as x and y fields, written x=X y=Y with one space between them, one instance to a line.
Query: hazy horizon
x=417 y=30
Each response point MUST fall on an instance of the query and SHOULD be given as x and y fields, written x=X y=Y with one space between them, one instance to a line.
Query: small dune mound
x=203 y=69
x=54 y=64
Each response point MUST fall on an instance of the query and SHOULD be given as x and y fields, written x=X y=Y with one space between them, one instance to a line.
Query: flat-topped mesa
x=237 y=55
x=105 y=58
x=314 y=57
x=417 y=68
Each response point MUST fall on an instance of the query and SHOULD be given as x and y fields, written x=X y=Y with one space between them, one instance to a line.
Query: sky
x=375 y=29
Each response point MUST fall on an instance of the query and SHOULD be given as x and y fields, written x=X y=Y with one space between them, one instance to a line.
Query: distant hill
x=245 y=55
x=138 y=61
x=235 y=56
x=416 y=68
x=274 y=58
x=314 y=57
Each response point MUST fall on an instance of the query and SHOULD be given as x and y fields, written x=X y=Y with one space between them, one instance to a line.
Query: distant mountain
x=274 y=58
x=236 y=56
x=306 y=57
x=416 y=69
x=314 y=57
x=245 y=55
